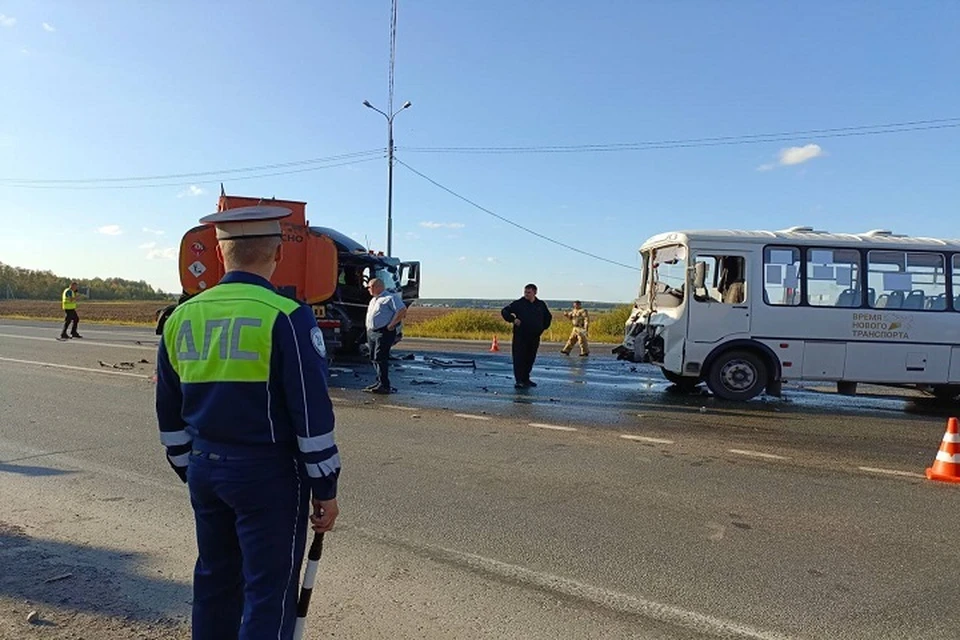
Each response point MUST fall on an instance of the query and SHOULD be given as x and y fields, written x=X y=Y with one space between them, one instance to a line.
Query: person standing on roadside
x=69 y=303
x=385 y=311
x=244 y=413
x=581 y=324
x=530 y=318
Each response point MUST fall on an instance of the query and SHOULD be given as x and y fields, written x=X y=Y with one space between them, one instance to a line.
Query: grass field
x=421 y=322
x=130 y=313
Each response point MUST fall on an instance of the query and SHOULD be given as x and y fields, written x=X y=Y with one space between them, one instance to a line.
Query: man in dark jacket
x=530 y=317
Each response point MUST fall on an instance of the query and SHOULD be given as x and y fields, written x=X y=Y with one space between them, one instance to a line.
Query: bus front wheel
x=737 y=375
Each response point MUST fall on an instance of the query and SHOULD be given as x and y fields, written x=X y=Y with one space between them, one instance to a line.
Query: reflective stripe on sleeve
x=175 y=438
x=180 y=460
x=315 y=443
x=325 y=468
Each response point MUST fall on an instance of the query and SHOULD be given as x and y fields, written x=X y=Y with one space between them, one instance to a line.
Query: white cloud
x=462 y=259
x=156 y=232
x=7 y=21
x=191 y=191
x=794 y=155
x=49 y=28
x=492 y=260
x=110 y=230
x=168 y=253
x=799 y=155
x=442 y=225
x=147 y=245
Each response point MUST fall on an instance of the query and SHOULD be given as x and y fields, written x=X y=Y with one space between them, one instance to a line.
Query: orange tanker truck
x=321 y=267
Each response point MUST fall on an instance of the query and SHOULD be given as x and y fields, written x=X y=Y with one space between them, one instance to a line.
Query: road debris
x=119 y=365
x=419 y=382
x=33 y=617
x=62 y=576
x=452 y=363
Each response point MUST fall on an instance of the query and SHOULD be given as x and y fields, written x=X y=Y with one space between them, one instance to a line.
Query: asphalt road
x=599 y=505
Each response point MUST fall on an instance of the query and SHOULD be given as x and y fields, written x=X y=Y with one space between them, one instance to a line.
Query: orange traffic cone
x=946 y=466
x=495 y=345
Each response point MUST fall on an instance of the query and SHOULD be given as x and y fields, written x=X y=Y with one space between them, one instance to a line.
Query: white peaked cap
x=247 y=222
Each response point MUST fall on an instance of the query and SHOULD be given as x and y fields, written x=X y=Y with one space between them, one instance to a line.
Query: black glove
x=180 y=471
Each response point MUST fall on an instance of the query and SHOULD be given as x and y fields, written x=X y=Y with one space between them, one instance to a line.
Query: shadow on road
x=27 y=470
x=61 y=580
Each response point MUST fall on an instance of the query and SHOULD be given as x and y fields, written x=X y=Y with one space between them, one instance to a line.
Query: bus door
x=722 y=286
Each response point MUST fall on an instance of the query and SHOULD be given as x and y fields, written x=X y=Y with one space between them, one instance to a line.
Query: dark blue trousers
x=251 y=516
x=379 y=341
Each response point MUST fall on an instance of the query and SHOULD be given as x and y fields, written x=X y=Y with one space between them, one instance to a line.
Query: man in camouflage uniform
x=581 y=324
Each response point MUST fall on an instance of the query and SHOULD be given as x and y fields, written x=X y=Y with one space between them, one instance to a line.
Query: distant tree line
x=28 y=284
x=478 y=303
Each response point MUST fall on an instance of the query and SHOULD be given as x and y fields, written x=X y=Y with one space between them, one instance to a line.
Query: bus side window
x=956 y=282
x=909 y=280
x=833 y=278
x=781 y=276
x=725 y=279
x=732 y=284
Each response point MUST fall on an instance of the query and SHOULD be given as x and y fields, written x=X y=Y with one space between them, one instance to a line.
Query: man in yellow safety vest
x=69 y=303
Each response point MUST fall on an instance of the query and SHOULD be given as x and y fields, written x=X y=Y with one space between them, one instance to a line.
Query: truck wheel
x=737 y=375
x=684 y=383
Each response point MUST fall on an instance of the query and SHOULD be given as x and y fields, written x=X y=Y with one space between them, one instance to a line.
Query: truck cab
x=321 y=267
x=356 y=267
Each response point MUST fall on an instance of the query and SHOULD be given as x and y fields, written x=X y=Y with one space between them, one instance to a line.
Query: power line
x=512 y=223
x=757 y=138
x=371 y=153
x=155 y=185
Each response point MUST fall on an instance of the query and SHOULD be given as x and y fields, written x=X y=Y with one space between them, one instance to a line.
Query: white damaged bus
x=744 y=311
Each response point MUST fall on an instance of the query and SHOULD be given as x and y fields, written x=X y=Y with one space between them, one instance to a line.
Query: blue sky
x=118 y=89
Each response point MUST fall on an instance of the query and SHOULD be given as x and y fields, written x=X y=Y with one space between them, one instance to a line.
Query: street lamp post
x=406 y=105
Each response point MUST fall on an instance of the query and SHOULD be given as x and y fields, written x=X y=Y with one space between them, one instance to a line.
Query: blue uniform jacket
x=292 y=409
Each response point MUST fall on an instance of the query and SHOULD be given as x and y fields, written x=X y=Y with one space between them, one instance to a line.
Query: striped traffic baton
x=309 y=577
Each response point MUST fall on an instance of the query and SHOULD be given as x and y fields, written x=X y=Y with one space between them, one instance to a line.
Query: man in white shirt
x=385 y=312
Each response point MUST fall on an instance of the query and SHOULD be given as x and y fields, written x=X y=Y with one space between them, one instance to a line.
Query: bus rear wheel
x=737 y=375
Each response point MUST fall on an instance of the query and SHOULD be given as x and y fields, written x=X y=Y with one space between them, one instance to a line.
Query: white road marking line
x=72 y=368
x=81 y=341
x=552 y=427
x=627 y=436
x=894 y=472
x=399 y=407
x=470 y=416
x=56 y=326
x=608 y=599
x=757 y=454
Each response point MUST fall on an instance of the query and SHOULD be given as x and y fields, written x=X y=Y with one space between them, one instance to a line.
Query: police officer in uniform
x=68 y=301
x=581 y=325
x=244 y=412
